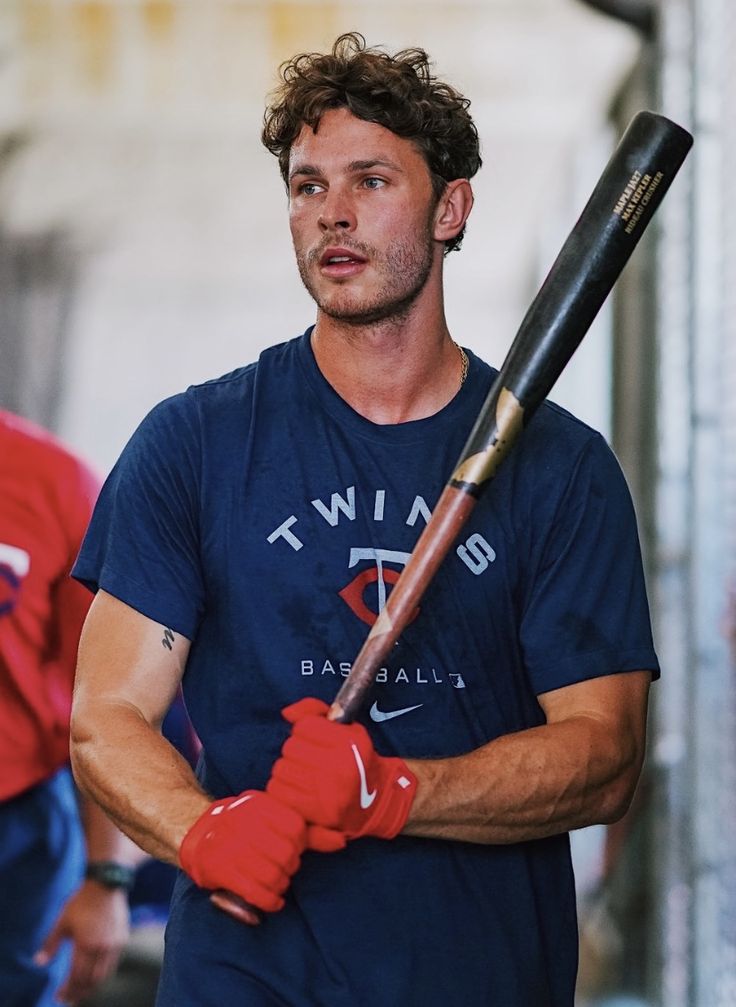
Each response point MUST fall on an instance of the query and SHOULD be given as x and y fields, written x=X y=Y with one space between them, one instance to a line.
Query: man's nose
x=337 y=212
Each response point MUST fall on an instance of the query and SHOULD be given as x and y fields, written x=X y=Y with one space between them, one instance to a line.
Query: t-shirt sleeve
x=142 y=544
x=586 y=612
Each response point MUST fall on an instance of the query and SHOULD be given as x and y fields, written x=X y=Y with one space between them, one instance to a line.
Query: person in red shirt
x=64 y=868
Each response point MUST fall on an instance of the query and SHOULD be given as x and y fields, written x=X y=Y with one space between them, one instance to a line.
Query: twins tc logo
x=14 y=565
x=354 y=593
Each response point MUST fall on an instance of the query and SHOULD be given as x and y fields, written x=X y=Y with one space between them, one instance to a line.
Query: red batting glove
x=332 y=775
x=251 y=845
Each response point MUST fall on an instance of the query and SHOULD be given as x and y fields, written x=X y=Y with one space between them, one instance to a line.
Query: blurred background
x=144 y=246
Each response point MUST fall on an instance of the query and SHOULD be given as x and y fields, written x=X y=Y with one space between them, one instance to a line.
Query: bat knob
x=336 y=712
x=236 y=907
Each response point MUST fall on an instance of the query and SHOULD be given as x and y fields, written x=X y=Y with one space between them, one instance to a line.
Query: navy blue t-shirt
x=264 y=519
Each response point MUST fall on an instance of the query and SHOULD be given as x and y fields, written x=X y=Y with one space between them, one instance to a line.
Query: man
x=60 y=933
x=246 y=540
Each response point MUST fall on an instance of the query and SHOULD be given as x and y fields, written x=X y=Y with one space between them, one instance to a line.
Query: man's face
x=361 y=212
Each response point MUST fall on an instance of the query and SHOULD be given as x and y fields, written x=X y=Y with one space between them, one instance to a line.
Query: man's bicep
x=604 y=723
x=125 y=657
x=618 y=701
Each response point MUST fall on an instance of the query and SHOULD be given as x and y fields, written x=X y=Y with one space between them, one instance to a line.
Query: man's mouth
x=341 y=262
x=340 y=257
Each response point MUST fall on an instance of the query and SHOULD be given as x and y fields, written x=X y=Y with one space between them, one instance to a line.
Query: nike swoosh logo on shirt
x=367 y=797
x=379 y=715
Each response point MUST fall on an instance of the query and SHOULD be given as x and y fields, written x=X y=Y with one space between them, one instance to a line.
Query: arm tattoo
x=168 y=639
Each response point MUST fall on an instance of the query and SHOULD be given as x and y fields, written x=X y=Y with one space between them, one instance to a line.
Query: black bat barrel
x=629 y=191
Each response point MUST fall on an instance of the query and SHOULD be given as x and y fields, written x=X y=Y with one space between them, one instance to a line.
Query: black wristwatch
x=111 y=874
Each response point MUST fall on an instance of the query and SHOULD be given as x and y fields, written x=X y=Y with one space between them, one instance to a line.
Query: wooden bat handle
x=449 y=515
x=236 y=907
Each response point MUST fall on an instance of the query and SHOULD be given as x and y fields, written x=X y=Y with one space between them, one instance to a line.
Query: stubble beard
x=404 y=267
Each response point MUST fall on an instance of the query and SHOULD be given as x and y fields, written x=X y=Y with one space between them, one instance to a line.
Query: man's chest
x=306 y=571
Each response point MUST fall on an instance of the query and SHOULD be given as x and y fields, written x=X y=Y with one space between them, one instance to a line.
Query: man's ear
x=453 y=209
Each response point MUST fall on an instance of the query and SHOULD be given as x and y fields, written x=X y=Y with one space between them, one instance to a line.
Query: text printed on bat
x=635 y=198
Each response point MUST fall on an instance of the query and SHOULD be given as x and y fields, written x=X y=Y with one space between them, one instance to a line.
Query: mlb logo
x=14 y=565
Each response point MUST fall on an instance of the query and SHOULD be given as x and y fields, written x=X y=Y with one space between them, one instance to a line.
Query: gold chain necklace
x=464 y=362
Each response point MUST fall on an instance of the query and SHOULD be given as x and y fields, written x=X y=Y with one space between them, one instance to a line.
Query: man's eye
x=373 y=183
x=309 y=188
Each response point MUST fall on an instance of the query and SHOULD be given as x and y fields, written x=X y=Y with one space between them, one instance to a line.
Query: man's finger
x=80 y=980
x=308 y=707
x=325 y=840
x=49 y=947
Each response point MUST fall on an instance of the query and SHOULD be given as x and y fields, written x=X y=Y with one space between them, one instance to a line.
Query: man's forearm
x=528 y=785
x=137 y=777
x=104 y=840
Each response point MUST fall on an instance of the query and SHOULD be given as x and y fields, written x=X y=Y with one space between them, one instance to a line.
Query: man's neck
x=392 y=371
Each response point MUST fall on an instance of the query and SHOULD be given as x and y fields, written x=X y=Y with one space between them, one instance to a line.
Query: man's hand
x=97 y=921
x=251 y=845
x=331 y=774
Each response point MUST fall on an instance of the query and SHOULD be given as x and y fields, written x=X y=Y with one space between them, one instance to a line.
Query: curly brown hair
x=398 y=92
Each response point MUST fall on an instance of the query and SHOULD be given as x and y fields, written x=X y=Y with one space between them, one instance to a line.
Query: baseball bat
x=633 y=184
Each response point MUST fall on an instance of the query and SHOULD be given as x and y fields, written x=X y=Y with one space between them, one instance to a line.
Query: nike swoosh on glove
x=332 y=775
x=251 y=845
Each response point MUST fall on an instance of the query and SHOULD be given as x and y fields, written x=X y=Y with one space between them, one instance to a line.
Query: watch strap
x=111 y=874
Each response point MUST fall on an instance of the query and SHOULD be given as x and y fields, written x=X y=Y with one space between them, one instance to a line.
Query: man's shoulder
x=559 y=428
x=33 y=450
x=234 y=386
x=557 y=455
x=210 y=409
x=23 y=435
x=551 y=425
